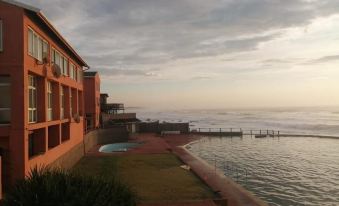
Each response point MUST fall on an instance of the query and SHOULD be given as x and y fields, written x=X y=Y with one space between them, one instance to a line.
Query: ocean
x=308 y=120
x=282 y=171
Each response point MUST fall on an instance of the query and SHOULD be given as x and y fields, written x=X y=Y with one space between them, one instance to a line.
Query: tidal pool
x=281 y=171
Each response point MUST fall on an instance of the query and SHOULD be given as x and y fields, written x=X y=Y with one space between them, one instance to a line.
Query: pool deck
x=226 y=188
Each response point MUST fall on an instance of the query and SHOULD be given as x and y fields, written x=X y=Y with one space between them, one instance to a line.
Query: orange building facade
x=41 y=88
x=92 y=100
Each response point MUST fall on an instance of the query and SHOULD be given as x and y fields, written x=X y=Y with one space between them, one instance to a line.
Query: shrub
x=50 y=187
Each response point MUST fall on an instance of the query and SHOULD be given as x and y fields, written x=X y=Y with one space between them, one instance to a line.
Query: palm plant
x=51 y=187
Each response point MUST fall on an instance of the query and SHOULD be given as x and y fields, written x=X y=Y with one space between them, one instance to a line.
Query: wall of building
x=92 y=100
x=11 y=63
x=66 y=132
x=52 y=140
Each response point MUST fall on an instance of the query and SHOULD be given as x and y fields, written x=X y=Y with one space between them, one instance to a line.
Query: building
x=92 y=100
x=113 y=114
x=41 y=87
x=110 y=108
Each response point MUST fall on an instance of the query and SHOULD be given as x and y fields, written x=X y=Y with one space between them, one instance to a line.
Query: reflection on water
x=281 y=171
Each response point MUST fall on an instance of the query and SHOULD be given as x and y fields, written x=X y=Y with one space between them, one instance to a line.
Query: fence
x=235 y=132
x=156 y=127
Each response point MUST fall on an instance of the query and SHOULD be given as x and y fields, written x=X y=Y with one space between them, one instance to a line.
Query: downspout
x=85 y=123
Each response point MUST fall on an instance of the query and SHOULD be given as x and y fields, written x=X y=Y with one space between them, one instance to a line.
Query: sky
x=206 y=53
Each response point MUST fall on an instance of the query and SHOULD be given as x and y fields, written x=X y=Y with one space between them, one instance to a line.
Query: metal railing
x=251 y=132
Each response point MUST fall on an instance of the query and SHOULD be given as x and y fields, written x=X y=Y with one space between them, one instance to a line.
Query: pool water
x=118 y=147
x=281 y=171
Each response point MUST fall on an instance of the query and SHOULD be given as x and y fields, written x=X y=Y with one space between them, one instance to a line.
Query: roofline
x=45 y=20
x=37 y=11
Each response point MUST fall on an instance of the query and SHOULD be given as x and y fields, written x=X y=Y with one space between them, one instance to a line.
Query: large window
x=37 y=46
x=1 y=36
x=60 y=60
x=5 y=100
x=32 y=99
x=49 y=101
x=71 y=103
x=72 y=71
x=62 y=103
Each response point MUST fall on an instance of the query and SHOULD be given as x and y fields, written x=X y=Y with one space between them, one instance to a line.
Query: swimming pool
x=282 y=171
x=118 y=147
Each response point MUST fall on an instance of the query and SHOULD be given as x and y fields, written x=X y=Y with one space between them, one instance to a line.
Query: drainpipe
x=84 y=113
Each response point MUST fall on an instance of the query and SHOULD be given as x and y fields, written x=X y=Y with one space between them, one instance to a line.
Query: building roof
x=37 y=12
x=90 y=74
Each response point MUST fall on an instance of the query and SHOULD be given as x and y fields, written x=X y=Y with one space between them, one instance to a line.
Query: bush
x=50 y=187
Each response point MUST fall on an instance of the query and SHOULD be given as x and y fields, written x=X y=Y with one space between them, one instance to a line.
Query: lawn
x=155 y=178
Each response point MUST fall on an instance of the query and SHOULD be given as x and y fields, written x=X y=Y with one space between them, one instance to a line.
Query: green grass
x=155 y=178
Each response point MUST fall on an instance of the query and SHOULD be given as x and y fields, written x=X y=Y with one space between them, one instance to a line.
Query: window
x=32 y=96
x=62 y=103
x=5 y=100
x=39 y=50
x=30 y=42
x=37 y=46
x=71 y=103
x=65 y=67
x=73 y=71
x=60 y=60
x=49 y=101
x=45 y=49
x=1 y=36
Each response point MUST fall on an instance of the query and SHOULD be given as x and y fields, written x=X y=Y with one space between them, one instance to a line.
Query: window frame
x=35 y=45
x=61 y=60
x=62 y=103
x=49 y=101
x=73 y=71
x=71 y=103
x=32 y=111
x=9 y=109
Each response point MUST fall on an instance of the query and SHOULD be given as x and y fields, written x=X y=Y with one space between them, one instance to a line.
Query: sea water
x=281 y=171
x=315 y=120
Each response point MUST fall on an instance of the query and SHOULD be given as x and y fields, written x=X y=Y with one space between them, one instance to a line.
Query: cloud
x=142 y=34
x=206 y=76
x=127 y=72
x=324 y=59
